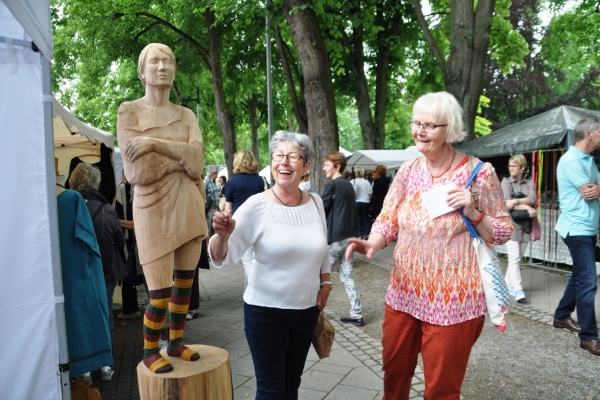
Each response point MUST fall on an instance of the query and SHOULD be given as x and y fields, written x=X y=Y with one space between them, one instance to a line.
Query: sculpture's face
x=159 y=69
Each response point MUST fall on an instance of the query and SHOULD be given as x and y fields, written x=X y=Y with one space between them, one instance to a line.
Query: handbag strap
x=470 y=226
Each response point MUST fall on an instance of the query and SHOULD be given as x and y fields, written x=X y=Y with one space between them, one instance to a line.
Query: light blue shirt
x=578 y=217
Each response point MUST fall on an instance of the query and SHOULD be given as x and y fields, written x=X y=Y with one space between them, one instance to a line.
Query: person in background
x=290 y=281
x=86 y=180
x=363 y=191
x=221 y=182
x=245 y=183
x=435 y=304
x=212 y=196
x=518 y=182
x=578 y=192
x=305 y=183
x=381 y=185
x=339 y=201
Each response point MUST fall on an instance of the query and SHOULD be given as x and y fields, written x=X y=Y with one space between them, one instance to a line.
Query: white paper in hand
x=436 y=200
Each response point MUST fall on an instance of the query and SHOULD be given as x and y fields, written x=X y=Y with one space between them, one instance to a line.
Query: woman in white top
x=364 y=191
x=289 y=281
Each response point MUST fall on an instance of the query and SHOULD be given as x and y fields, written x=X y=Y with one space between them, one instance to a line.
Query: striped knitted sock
x=154 y=319
x=178 y=307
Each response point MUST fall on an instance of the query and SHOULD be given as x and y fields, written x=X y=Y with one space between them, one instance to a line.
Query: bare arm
x=224 y=226
x=590 y=191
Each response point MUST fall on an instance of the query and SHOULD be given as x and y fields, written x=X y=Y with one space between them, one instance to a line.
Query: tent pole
x=61 y=327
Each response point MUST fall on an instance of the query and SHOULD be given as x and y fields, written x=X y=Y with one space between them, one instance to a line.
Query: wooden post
x=209 y=378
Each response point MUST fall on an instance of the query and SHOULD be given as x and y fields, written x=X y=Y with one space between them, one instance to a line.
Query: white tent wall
x=30 y=356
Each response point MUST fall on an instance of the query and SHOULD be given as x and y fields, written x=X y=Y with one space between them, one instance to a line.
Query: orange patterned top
x=436 y=276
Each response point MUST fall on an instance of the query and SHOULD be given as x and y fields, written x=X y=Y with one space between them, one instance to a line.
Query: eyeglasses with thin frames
x=416 y=125
x=292 y=157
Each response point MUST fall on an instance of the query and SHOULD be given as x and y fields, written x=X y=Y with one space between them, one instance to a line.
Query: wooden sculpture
x=163 y=156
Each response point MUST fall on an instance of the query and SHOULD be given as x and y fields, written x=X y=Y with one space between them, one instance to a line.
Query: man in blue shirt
x=578 y=189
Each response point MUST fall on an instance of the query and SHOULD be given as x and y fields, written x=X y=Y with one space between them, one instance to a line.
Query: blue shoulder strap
x=470 y=226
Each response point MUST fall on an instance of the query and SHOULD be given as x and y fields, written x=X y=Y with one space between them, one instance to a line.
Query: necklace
x=447 y=169
x=286 y=204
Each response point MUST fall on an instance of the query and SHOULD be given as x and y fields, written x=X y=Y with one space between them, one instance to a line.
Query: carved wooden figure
x=163 y=156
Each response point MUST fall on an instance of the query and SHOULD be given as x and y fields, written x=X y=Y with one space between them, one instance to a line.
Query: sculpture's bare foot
x=183 y=352
x=158 y=364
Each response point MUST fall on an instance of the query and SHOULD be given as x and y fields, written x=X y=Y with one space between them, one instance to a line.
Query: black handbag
x=519 y=215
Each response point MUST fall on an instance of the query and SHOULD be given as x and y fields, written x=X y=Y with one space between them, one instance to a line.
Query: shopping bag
x=323 y=336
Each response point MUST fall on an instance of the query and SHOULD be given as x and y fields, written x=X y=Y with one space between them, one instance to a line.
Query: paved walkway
x=353 y=371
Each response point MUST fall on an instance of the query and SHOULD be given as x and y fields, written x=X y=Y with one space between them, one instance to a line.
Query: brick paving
x=353 y=371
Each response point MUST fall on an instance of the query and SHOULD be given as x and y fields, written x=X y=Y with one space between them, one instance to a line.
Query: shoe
x=106 y=373
x=520 y=296
x=593 y=346
x=353 y=321
x=129 y=316
x=87 y=377
x=567 y=324
x=192 y=315
x=162 y=344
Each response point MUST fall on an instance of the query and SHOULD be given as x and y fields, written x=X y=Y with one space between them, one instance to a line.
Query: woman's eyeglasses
x=415 y=125
x=293 y=157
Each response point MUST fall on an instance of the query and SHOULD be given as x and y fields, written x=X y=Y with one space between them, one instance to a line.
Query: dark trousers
x=364 y=223
x=279 y=341
x=582 y=286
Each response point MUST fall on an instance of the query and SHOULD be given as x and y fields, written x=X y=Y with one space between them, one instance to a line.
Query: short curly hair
x=381 y=170
x=300 y=140
x=244 y=162
x=85 y=177
x=336 y=159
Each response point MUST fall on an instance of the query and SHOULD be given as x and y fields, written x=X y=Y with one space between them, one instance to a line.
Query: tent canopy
x=370 y=159
x=73 y=138
x=550 y=129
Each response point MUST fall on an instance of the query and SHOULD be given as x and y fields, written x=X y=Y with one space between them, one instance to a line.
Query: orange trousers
x=445 y=351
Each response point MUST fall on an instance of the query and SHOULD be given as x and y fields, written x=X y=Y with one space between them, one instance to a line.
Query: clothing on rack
x=108 y=188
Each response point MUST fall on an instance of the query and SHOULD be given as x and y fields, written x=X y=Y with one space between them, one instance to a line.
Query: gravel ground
x=531 y=360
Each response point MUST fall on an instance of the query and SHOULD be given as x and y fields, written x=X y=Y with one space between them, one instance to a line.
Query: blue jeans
x=110 y=291
x=279 y=341
x=364 y=223
x=582 y=286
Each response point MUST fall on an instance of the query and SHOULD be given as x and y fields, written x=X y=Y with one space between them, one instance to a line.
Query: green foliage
x=398 y=132
x=507 y=46
x=482 y=125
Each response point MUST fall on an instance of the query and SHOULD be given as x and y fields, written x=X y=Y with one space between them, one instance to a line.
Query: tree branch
x=203 y=53
x=430 y=39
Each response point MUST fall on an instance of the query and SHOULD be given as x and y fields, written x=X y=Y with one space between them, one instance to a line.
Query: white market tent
x=392 y=159
x=30 y=289
x=73 y=138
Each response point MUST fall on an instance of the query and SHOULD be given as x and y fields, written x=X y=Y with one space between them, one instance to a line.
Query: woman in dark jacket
x=381 y=185
x=85 y=179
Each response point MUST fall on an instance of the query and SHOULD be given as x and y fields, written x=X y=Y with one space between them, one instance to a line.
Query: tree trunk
x=299 y=113
x=363 y=103
x=469 y=39
x=384 y=50
x=223 y=118
x=254 y=126
x=318 y=87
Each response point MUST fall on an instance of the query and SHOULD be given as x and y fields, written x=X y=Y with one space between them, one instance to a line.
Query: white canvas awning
x=392 y=159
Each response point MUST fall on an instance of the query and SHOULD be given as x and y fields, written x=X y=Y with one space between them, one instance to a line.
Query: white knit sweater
x=290 y=251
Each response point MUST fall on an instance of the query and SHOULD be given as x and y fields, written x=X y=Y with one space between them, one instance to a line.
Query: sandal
x=192 y=315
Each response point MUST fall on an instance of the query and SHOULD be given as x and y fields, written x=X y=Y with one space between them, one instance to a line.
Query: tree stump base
x=209 y=378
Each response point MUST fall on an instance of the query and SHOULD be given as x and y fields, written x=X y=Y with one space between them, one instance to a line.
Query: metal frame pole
x=61 y=327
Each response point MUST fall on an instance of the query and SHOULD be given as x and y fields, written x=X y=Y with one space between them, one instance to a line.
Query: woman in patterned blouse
x=435 y=303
